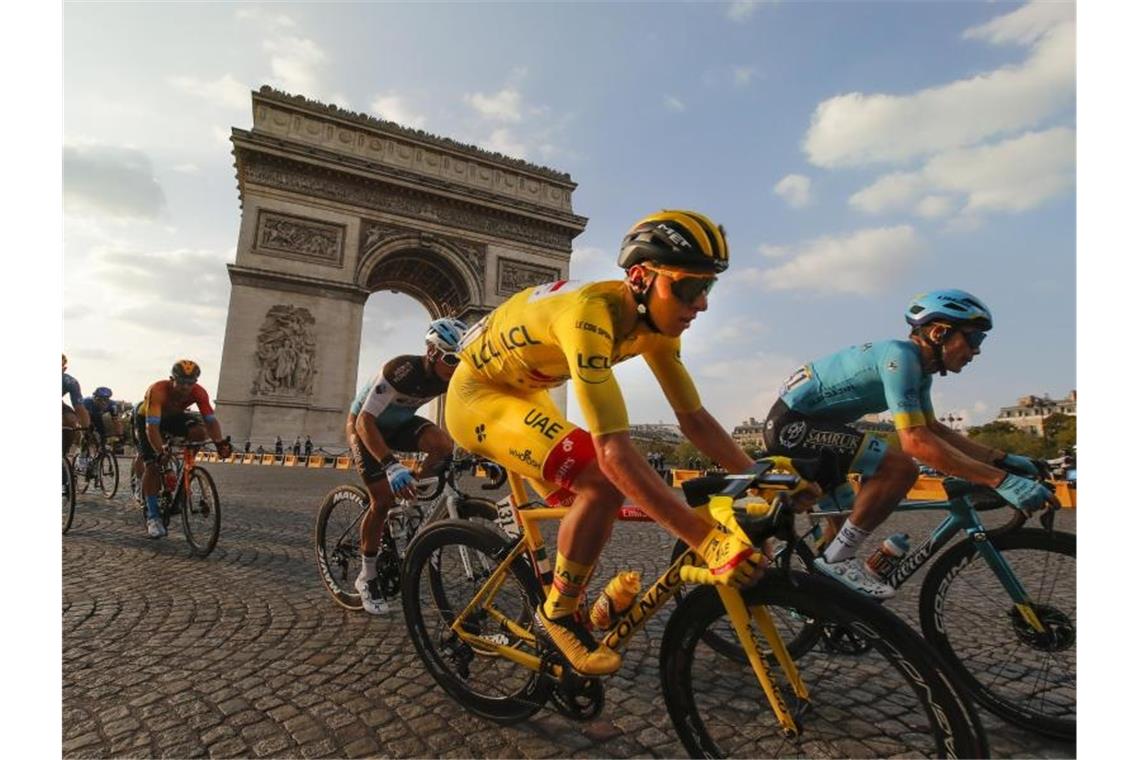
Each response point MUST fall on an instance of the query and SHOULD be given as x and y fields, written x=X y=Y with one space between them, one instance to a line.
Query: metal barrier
x=343 y=463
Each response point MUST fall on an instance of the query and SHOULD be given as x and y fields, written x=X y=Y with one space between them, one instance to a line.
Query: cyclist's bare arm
x=369 y=435
x=627 y=469
x=214 y=428
x=84 y=417
x=928 y=447
x=713 y=441
x=154 y=436
x=962 y=443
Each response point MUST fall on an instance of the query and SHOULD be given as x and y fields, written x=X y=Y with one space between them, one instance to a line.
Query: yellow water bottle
x=615 y=599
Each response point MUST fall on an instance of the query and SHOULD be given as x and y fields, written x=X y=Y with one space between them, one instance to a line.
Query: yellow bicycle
x=469 y=594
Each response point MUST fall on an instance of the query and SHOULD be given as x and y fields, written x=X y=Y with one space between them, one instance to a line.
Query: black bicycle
x=96 y=464
x=338 y=525
x=68 y=494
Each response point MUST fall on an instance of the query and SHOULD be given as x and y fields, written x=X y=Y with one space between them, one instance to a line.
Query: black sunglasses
x=974 y=339
x=451 y=360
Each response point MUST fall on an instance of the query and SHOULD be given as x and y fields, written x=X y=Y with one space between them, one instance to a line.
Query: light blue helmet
x=446 y=334
x=953 y=306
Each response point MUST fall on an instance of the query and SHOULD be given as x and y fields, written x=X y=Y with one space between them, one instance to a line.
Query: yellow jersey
x=545 y=335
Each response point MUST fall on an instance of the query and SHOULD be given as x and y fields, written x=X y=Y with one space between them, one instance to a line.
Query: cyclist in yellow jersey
x=498 y=406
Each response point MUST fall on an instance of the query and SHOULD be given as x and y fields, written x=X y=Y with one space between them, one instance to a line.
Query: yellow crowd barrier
x=316 y=460
x=343 y=463
x=267 y=458
x=680 y=476
x=248 y=458
x=290 y=460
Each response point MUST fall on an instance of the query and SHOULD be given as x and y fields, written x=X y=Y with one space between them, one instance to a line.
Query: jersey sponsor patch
x=554 y=288
x=792 y=433
x=593 y=368
x=568 y=458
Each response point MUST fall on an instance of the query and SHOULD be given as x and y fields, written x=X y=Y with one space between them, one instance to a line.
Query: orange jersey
x=159 y=402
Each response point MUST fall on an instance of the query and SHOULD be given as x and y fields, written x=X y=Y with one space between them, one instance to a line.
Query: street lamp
x=950 y=421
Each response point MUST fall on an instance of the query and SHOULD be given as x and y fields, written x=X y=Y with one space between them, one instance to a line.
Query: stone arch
x=337 y=205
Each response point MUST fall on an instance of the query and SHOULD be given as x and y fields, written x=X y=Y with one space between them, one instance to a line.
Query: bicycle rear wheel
x=447 y=564
x=201 y=513
x=1025 y=677
x=107 y=469
x=892 y=699
x=68 y=494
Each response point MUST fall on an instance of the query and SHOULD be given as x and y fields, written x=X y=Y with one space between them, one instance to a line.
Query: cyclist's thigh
x=69 y=417
x=142 y=443
x=409 y=435
x=367 y=466
x=840 y=447
x=179 y=424
x=524 y=432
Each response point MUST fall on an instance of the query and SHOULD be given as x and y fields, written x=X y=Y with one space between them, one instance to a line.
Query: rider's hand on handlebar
x=731 y=560
x=401 y=481
x=1025 y=494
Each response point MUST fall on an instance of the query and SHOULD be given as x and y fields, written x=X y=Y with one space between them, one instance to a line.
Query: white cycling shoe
x=851 y=573
x=154 y=528
x=370 y=597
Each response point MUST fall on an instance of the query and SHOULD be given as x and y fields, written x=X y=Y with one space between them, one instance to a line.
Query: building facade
x=1031 y=412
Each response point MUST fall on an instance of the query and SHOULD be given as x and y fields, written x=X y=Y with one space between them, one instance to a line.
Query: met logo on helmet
x=674 y=237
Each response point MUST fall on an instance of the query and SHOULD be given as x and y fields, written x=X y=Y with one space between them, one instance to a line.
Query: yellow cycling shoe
x=571 y=638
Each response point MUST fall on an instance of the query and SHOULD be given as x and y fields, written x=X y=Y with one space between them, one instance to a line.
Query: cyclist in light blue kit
x=818 y=403
x=383 y=419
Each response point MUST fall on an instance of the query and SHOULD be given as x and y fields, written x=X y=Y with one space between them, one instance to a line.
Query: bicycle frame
x=644 y=607
x=963 y=517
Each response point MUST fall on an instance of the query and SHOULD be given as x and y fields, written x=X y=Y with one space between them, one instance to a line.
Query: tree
x=1060 y=433
x=1006 y=437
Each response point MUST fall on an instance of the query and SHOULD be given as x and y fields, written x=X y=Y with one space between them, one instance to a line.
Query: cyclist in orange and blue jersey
x=163 y=412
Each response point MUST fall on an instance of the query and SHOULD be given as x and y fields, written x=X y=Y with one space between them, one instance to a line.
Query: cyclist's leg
x=151 y=480
x=70 y=421
x=380 y=500
x=527 y=433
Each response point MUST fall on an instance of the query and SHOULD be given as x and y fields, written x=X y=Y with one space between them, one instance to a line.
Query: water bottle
x=616 y=598
x=884 y=560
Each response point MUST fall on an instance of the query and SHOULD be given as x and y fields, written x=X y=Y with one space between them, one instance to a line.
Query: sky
x=856 y=153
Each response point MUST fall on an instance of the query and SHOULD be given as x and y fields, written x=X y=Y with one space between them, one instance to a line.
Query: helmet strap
x=936 y=347
x=641 y=296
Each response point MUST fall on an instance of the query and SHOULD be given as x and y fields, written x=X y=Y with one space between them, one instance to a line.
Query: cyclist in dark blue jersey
x=820 y=400
x=74 y=416
x=98 y=404
x=383 y=419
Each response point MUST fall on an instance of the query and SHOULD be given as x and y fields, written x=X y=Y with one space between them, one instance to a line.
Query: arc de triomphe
x=337 y=205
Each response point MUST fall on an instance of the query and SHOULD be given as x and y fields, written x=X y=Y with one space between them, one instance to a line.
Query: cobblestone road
x=244 y=654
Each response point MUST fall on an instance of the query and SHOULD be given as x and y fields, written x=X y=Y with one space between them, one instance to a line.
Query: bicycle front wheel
x=447 y=564
x=890 y=698
x=68 y=488
x=201 y=513
x=108 y=473
x=1024 y=676
x=338 y=542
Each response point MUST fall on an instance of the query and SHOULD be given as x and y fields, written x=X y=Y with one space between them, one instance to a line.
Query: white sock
x=846 y=543
x=368 y=568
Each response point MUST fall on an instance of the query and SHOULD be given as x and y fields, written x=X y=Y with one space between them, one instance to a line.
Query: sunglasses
x=974 y=339
x=183 y=381
x=687 y=286
x=451 y=360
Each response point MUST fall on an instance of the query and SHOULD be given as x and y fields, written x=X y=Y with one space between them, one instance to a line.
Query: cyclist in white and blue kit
x=383 y=419
x=818 y=403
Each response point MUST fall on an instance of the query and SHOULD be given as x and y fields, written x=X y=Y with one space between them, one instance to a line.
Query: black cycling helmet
x=676 y=238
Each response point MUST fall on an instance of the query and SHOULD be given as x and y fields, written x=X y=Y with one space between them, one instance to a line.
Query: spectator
x=308 y=448
x=278 y=447
x=246 y=445
x=260 y=449
x=297 y=446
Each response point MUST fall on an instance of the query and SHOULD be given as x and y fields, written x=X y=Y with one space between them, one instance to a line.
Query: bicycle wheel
x=1027 y=678
x=798 y=633
x=68 y=493
x=338 y=542
x=201 y=513
x=892 y=699
x=107 y=468
x=446 y=565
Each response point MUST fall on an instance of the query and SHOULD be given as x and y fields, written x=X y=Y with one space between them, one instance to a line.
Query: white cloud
x=225 y=91
x=774 y=251
x=795 y=189
x=674 y=103
x=592 y=263
x=889 y=193
x=503 y=141
x=504 y=105
x=934 y=206
x=1014 y=175
x=392 y=107
x=1011 y=176
x=106 y=180
x=187 y=168
x=297 y=64
x=858 y=128
x=863 y=262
